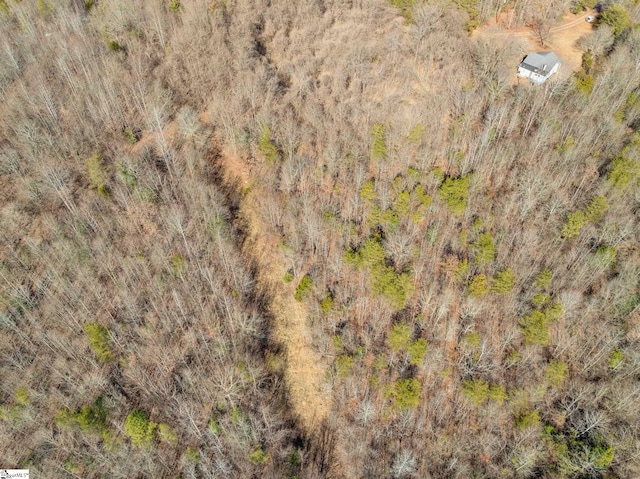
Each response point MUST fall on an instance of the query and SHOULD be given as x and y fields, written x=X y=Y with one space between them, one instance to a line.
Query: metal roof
x=540 y=62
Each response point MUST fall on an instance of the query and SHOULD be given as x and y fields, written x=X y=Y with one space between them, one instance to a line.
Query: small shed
x=539 y=66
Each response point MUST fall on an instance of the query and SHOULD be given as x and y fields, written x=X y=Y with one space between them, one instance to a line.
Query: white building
x=538 y=67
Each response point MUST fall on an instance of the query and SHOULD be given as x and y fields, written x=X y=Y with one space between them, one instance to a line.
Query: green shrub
x=417 y=351
x=402 y=203
x=617 y=17
x=343 y=366
x=72 y=466
x=463 y=237
x=178 y=265
x=326 y=304
x=406 y=393
x=267 y=148
x=596 y=209
x=100 y=341
x=584 y=82
x=131 y=136
x=471 y=340
x=258 y=456
x=473 y=10
x=98 y=176
x=479 y=391
x=174 y=6
x=400 y=337
x=577 y=220
x=91 y=418
x=371 y=254
x=381 y=363
x=193 y=455
x=438 y=175
x=540 y=300
x=461 y=271
x=135 y=33
x=512 y=358
x=554 y=312
x=623 y=173
x=422 y=198
x=139 y=428
x=476 y=389
x=602 y=456
x=578 y=456
x=214 y=425
x=149 y=195
x=294 y=458
x=566 y=145
x=484 y=249
x=368 y=191
x=16 y=410
x=556 y=372
x=479 y=286
x=387 y=218
x=378 y=142
x=114 y=46
x=44 y=9
x=454 y=193
x=127 y=175
x=236 y=415
x=395 y=287
x=288 y=277
x=535 y=328
x=497 y=393
x=417 y=134
x=582 y=5
x=503 y=282
x=303 y=288
x=632 y=101
x=21 y=397
x=587 y=62
x=218 y=227
x=626 y=305
x=543 y=279
x=404 y=6
x=398 y=184
x=166 y=434
x=573 y=224
x=528 y=419
x=605 y=256
x=615 y=359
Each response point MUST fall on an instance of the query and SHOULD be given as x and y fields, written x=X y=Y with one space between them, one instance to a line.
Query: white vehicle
x=590 y=19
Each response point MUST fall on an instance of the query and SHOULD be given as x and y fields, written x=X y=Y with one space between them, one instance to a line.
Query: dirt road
x=488 y=30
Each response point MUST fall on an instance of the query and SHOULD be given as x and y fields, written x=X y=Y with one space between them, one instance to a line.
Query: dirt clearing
x=562 y=38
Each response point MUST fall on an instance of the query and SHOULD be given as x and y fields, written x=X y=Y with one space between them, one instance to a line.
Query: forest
x=316 y=239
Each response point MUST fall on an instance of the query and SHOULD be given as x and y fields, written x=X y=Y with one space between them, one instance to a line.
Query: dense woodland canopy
x=181 y=180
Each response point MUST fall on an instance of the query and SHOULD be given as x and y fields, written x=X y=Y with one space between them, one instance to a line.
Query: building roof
x=540 y=62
